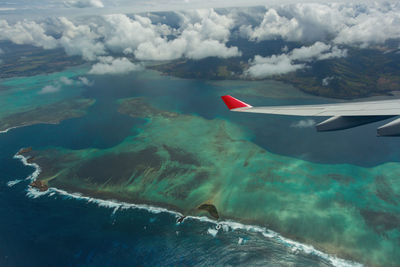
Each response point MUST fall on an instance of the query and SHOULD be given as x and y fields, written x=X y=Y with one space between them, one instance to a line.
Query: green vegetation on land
x=363 y=73
x=51 y=114
x=27 y=60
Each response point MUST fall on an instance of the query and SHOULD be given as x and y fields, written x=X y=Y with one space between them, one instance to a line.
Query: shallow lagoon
x=340 y=199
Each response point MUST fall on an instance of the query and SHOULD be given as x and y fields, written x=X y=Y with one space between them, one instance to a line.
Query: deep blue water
x=60 y=231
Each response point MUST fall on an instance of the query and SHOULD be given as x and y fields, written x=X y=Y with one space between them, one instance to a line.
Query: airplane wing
x=343 y=115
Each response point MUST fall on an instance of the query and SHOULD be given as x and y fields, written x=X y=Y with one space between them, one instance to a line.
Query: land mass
x=342 y=209
x=51 y=114
x=363 y=73
x=28 y=60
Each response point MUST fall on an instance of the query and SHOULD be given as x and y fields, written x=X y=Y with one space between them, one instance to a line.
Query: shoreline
x=26 y=125
x=7 y=130
x=225 y=225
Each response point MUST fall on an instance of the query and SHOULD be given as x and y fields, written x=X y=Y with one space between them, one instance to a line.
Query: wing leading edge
x=343 y=115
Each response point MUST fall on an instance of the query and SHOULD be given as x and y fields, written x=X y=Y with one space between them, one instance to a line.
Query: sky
x=26 y=8
x=102 y=33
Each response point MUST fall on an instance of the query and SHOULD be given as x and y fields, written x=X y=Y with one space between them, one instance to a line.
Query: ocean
x=61 y=229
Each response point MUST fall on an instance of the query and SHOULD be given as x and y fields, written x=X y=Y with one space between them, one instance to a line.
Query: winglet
x=233 y=103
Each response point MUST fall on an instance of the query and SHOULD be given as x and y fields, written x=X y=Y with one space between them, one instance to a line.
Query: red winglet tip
x=233 y=103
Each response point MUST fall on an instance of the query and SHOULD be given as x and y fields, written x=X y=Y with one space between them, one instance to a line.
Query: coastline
x=225 y=225
x=7 y=130
x=28 y=124
x=47 y=114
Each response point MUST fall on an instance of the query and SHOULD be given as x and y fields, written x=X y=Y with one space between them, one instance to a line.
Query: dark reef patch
x=381 y=221
x=182 y=191
x=138 y=108
x=384 y=190
x=181 y=156
x=343 y=179
x=118 y=168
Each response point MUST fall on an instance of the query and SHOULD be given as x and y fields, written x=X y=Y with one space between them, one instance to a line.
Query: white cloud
x=83 y=3
x=208 y=48
x=262 y=67
x=48 y=89
x=362 y=24
x=317 y=51
x=274 y=26
x=303 y=124
x=85 y=81
x=81 y=40
x=327 y=80
x=66 y=80
x=7 y=8
x=273 y=65
x=121 y=33
x=374 y=27
x=205 y=32
x=109 y=65
x=202 y=33
x=26 y=32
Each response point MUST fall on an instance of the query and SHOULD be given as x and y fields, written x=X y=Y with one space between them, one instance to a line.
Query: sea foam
x=13 y=182
x=6 y=130
x=225 y=225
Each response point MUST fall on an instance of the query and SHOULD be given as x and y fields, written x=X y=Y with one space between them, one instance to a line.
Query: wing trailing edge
x=342 y=115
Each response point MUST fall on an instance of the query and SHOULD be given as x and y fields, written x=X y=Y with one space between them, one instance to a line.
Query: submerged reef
x=51 y=114
x=191 y=164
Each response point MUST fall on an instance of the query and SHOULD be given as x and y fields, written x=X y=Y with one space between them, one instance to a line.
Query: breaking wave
x=13 y=182
x=226 y=225
x=6 y=130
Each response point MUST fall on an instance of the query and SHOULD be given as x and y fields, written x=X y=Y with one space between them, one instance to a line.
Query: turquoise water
x=25 y=93
x=74 y=232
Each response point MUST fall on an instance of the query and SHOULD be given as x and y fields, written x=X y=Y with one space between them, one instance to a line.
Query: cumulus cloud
x=273 y=65
x=343 y=23
x=296 y=59
x=48 y=89
x=303 y=124
x=110 y=65
x=121 y=32
x=83 y=3
x=317 y=51
x=81 y=40
x=373 y=27
x=202 y=33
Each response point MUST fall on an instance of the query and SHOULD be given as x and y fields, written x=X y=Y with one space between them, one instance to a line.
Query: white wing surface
x=343 y=115
x=371 y=108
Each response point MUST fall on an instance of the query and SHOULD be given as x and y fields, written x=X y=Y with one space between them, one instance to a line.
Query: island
x=363 y=73
x=50 y=114
x=29 y=60
x=199 y=166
